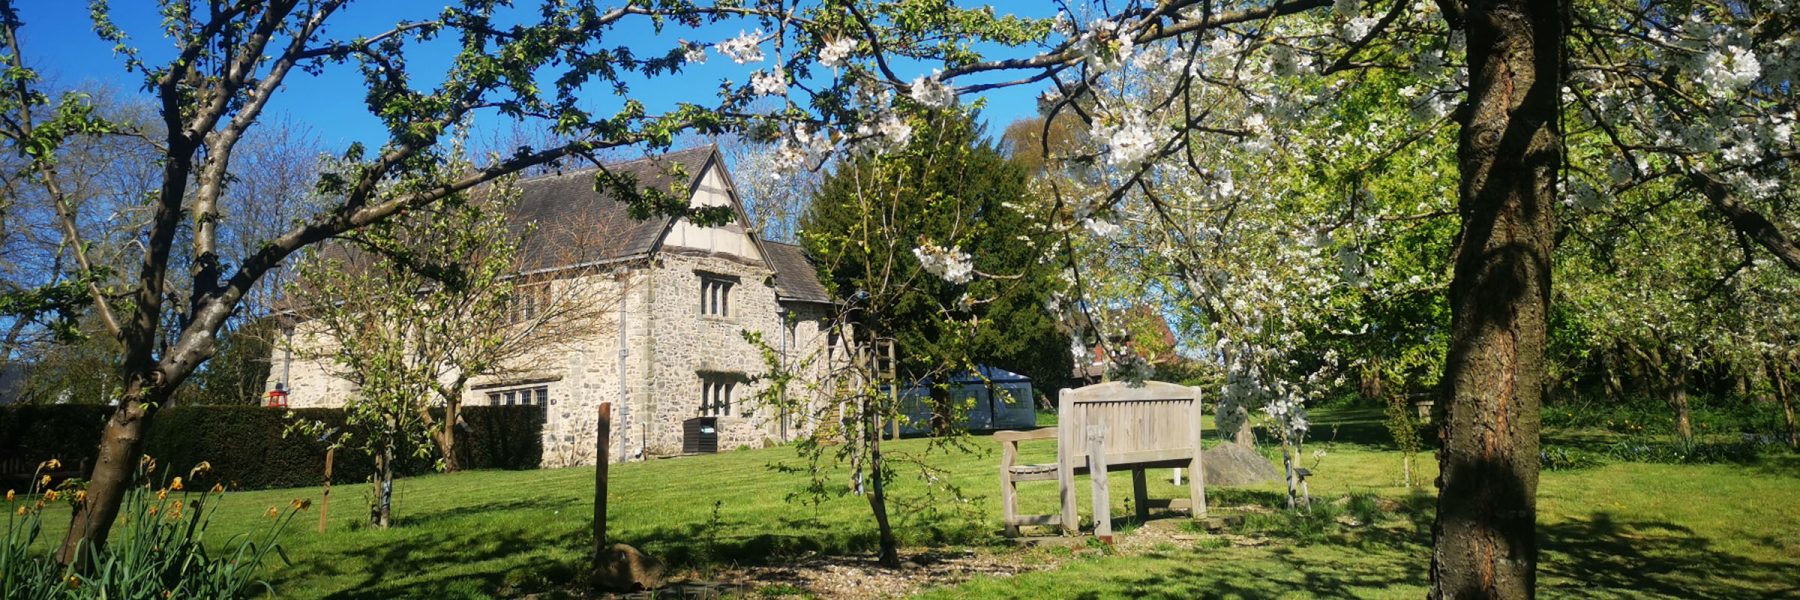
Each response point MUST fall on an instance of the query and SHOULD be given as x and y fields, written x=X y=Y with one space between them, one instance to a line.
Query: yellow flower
x=45 y=482
x=50 y=495
x=21 y=509
x=9 y=495
x=81 y=495
x=74 y=582
x=218 y=488
x=154 y=509
x=272 y=513
x=176 y=485
x=200 y=469
x=302 y=504
x=162 y=494
x=51 y=464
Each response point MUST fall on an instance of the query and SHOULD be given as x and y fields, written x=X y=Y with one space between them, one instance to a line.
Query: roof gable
x=577 y=226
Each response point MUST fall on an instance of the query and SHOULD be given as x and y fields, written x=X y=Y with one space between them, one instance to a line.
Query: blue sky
x=59 y=41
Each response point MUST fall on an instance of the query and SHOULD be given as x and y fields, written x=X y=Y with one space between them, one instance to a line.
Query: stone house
x=676 y=299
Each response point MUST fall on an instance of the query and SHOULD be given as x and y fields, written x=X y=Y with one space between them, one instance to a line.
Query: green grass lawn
x=1619 y=530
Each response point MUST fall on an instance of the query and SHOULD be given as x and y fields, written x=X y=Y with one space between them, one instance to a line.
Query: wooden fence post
x=602 y=445
x=325 y=499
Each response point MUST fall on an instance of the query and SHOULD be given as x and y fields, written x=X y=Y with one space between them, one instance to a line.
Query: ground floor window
x=715 y=394
x=526 y=396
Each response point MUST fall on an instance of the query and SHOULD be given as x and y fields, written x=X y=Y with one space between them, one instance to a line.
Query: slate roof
x=796 y=278
x=577 y=225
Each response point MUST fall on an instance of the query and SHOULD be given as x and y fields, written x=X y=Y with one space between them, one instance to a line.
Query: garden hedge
x=245 y=447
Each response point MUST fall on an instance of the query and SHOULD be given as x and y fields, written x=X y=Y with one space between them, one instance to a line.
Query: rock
x=1232 y=464
x=628 y=570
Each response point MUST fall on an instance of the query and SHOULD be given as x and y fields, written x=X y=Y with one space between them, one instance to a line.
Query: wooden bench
x=1106 y=427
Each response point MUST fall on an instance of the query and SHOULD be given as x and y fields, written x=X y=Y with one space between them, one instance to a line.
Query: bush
x=245 y=444
x=1746 y=450
x=1651 y=416
x=1564 y=459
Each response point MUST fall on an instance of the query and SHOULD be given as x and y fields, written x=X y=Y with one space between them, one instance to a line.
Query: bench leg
x=1009 y=490
x=1140 y=494
x=1010 y=510
x=1097 y=475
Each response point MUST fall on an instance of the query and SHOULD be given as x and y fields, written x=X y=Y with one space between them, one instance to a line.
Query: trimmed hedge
x=245 y=446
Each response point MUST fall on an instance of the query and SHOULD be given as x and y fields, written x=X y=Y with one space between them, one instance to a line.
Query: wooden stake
x=325 y=499
x=602 y=445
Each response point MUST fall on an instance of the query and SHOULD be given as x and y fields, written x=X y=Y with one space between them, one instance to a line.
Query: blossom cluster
x=951 y=264
x=744 y=49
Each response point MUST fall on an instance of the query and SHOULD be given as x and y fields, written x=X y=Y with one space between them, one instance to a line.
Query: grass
x=1616 y=530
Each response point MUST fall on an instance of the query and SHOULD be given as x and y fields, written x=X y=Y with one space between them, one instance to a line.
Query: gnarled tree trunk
x=115 y=470
x=1678 y=400
x=1509 y=154
x=1784 y=392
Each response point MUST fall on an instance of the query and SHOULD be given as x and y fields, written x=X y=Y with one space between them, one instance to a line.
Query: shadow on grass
x=1601 y=556
x=1604 y=556
x=411 y=567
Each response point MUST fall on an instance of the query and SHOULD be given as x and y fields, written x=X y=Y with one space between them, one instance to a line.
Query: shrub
x=1748 y=449
x=245 y=443
x=154 y=552
x=1552 y=458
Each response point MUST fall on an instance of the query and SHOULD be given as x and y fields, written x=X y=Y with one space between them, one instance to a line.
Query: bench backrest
x=1147 y=423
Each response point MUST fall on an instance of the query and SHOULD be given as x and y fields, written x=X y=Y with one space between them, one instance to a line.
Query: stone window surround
x=496 y=395
x=715 y=293
x=718 y=393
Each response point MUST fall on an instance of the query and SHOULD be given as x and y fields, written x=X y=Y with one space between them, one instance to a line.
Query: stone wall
x=654 y=315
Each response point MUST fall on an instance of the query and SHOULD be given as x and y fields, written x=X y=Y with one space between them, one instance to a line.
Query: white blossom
x=1357 y=28
x=1128 y=142
x=769 y=83
x=932 y=93
x=1727 y=70
x=1063 y=26
x=952 y=264
x=895 y=130
x=1286 y=62
x=1105 y=45
x=1100 y=227
x=744 y=49
x=837 y=52
x=695 y=53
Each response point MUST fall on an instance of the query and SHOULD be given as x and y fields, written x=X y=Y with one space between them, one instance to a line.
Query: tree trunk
x=1784 y=391
x=1678 y=399
x=1615 y=387
x=1509 y=154
x=445 y=436
x=115 y=469
x=890 y=547
x=1369 y=384
x=1287 y=467
x=381 y=512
